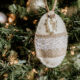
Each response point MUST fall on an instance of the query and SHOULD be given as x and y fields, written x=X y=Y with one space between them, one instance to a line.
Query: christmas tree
x=18 y=24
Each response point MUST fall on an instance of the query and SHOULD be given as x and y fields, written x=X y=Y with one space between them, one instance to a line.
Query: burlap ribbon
x=51 y=53
x=53 y=35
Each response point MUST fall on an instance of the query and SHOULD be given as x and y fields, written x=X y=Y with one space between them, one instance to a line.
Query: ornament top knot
x=3 y=18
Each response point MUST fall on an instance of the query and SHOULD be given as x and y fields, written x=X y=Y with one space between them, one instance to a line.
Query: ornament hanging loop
x=54 y=6
x=46 y=5
x=50 y=24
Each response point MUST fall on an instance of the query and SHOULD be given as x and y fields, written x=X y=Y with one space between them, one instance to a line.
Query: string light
x=6 y=25
x=33 y=53
x=11 y=18
x=72 y=50
x=34 y=70
x=46 y=69
x=35 y=21
x=64 y=11
x=25 y=18
x=5 y=75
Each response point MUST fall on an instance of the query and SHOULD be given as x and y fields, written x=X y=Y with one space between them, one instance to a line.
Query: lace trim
x=51 y=42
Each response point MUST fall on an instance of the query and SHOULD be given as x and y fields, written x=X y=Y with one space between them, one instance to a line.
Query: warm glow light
x=64 y=11
x=25 y=18
x=34 y=71
x=7 y=24
x=35 y=21
x=72 y=52
x=33 y=53
x=10 y=20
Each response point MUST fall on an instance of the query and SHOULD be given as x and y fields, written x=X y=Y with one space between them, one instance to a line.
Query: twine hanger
x=54 y=5
x=50 y=29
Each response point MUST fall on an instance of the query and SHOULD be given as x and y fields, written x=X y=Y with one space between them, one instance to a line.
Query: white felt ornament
x=51 y=40
x=3 y=18
x=34 y=5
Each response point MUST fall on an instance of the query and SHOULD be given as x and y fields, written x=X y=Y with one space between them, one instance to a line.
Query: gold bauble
x=3 y=18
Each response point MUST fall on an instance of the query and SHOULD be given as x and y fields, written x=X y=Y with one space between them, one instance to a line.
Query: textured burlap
x=53 y=35
x=49 y=53
x=51 y=45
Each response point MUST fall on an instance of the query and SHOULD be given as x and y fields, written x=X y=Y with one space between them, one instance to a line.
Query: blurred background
x=18 y=21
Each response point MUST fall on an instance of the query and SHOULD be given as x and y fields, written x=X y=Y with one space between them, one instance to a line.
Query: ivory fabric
x=51 y=40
